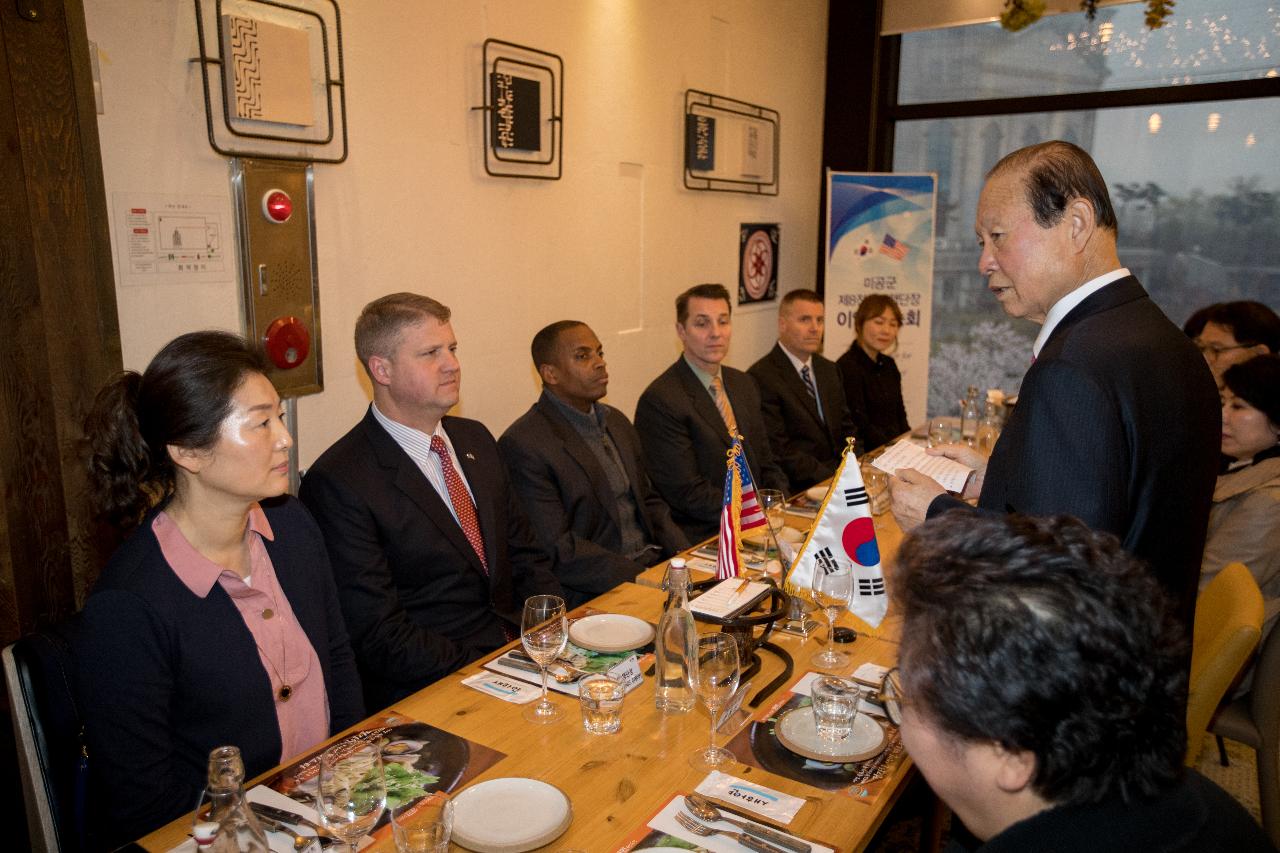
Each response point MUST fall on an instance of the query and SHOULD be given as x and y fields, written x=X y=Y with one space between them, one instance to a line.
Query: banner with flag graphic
x=741 y=511
x=844 y=531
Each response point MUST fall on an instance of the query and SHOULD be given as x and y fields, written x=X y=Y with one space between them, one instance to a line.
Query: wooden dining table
x=616 y=783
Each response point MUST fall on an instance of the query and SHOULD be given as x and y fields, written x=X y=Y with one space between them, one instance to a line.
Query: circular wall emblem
x=757 y=264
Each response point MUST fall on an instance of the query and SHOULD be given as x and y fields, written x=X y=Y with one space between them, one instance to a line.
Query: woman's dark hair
x=873 y=306
x=1257 y=382
x=1250 y=323
x=180 y=400
x=1043 y=636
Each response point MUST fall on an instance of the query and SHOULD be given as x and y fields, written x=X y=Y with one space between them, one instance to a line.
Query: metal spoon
x=704 y=809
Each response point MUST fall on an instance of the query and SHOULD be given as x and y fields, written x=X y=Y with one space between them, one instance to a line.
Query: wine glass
x=718 y=672
x=544 y=631
x=351 y=791
x=832 y=588
x=774 y=504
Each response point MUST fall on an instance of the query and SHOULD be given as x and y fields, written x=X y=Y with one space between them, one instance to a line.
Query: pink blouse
x=302 y=703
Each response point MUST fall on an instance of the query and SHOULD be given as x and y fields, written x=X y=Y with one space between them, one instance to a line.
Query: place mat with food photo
x=418 y=760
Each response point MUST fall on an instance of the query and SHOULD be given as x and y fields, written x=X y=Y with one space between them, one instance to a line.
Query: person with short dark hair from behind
x=577 y=465
x=217 y=621
x=1235 y=332
x=686 y=415
x=803 y=398
x=431 y=550
x=1042 y=690
x=872 y=382
x=1244 y=523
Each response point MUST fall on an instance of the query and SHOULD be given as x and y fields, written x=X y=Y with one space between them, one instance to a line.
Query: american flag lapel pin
x=469 y=456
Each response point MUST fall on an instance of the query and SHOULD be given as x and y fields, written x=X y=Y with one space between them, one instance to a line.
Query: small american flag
x=893 y=248
x=741 y=511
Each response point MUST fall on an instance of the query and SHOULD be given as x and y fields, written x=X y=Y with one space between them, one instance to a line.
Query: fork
x=741 y=837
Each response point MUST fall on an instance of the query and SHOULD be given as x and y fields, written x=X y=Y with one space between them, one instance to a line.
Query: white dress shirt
x=417 y=444
x=1063 y=306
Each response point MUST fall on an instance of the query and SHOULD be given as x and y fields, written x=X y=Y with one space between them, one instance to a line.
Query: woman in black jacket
x=217 y=621
x=872 y=384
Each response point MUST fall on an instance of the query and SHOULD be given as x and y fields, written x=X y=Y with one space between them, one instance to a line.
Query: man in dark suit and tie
x=431 y=551
x=804 y=403
x=577 y=465
x=1118 y=421
x=686 y=415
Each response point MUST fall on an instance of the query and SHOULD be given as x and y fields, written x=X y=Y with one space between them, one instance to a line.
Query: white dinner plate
x=816 y=494
x=510 y=815
x=610 y=632
x=798 y=732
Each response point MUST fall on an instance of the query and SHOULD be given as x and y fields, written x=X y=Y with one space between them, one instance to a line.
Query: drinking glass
x=718 y=672
x=351 y=791
x=601 y=698
x=939 y=432
x=877 y=485
x=832 y=588
x=835 y=704
x=424 y=825
x=544 y=631
x=774 y=504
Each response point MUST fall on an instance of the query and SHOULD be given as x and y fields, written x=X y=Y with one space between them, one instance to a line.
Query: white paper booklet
x=948 y=472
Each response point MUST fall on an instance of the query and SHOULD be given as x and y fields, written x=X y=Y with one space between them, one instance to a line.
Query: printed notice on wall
x=172 y=239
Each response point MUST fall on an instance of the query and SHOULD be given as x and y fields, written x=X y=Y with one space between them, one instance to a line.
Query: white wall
x=611 y=243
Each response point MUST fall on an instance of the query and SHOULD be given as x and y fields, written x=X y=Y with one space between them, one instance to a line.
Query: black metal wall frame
x=205 y=59
x=556 y=154
x=721 y=103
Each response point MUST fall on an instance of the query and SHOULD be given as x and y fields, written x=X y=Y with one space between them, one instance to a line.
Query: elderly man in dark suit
x=686 y=416
x=1117 y=420
x=431 y=551
x=576 y=464
x=804 y=403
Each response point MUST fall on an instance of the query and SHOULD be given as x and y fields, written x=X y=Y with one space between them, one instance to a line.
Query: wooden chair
x=1254 y=720
x=1228 y=623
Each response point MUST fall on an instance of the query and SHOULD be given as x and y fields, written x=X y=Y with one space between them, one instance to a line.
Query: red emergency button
x=287 y=342
x=277 y=206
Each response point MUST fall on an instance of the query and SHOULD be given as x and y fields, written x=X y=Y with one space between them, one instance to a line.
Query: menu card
x=948 y=472
x=728 y=598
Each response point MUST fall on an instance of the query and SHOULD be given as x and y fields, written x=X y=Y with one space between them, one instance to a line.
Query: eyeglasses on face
x=1215 y=350
x=890 y=696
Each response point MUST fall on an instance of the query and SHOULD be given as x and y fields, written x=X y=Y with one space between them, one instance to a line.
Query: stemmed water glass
x=774 y=504
x=832 y=588
x=544 y=631
x=718 y=672
x=351 y=791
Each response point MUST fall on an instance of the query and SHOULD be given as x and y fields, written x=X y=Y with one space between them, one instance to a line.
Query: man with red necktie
x=432 y=554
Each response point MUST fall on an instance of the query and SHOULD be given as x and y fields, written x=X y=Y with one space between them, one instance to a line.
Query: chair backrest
x=1264 y=708
x=40 y=678
x=1228 y=623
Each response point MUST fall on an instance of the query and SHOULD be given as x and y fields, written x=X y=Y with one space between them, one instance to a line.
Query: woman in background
x=217 y=621
x=1244 y=522
x=872 y=383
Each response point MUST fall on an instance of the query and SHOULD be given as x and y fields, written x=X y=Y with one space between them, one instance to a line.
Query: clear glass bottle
x=676 y=646
x=970 y=414
x=238 y=829
x=989 y=428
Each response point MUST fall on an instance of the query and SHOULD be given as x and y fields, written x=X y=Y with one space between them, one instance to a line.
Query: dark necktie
x=813 y=389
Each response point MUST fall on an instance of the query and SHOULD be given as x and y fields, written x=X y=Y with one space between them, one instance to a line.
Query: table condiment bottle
x=238 y=828
x=676 y=646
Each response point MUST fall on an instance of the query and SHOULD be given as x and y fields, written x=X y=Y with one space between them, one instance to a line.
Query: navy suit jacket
x=807 y=446
x=685 y=441
x=165 y=676
x=417 y=600
x=571 y=504
x=1117 y=423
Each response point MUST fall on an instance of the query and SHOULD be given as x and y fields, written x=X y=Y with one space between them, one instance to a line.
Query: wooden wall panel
x=59 y=332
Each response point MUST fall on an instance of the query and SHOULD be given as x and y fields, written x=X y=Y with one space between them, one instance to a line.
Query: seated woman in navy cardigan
x=217 y=621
